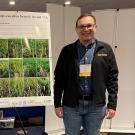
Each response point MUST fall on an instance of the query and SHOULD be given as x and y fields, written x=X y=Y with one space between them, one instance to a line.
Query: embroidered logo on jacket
x=102 y=54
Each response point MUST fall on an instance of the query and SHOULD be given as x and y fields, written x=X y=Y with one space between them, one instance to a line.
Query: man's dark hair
x=85 y=15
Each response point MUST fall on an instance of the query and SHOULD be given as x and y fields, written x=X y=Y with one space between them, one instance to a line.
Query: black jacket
x=104 y=76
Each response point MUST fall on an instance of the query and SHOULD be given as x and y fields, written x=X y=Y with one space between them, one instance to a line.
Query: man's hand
x=110 y=113
x=59 y=112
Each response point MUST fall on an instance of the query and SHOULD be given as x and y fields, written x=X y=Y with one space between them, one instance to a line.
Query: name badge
x=85 y=70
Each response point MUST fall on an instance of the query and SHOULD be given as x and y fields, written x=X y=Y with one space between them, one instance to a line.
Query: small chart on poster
x=25 y=59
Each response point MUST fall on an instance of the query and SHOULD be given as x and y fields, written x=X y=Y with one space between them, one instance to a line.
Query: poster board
x=25 y=59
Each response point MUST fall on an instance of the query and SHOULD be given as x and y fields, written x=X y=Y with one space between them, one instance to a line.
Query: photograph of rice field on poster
x=24 y=67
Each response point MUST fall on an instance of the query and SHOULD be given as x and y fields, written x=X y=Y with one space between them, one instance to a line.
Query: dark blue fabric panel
x=24 y=111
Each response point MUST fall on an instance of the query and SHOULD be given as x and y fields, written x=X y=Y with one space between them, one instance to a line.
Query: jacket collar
x=99 y=45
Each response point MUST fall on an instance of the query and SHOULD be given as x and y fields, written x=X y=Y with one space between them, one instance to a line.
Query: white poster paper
x=25 y=59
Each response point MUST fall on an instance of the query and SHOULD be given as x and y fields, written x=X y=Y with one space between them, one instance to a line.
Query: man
x=84 y=71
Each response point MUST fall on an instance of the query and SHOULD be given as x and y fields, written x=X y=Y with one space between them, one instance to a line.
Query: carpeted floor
x=35 y=130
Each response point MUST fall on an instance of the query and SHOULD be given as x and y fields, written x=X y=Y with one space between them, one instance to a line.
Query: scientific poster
x=25 y=59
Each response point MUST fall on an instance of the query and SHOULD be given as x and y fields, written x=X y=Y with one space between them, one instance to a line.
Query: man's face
x=86 y=28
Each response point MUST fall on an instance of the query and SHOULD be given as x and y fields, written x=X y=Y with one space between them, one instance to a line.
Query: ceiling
x=86 y=5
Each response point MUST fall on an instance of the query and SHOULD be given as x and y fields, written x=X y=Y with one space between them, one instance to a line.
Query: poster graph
x=25 y=59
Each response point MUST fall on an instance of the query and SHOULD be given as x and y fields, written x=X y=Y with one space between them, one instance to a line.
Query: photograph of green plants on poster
x=24 y=67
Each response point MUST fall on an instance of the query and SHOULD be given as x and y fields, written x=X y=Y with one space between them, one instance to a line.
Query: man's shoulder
x=70 y=46
x=103 y=44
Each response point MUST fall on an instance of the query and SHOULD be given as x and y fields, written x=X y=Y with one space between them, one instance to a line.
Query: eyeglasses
x=89 y=26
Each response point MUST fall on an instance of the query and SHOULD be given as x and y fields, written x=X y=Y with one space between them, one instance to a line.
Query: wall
x=62 y=32
x=118 y=29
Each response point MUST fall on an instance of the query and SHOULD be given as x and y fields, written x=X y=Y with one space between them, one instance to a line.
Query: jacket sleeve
x=112 y=83
x=59 y=80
